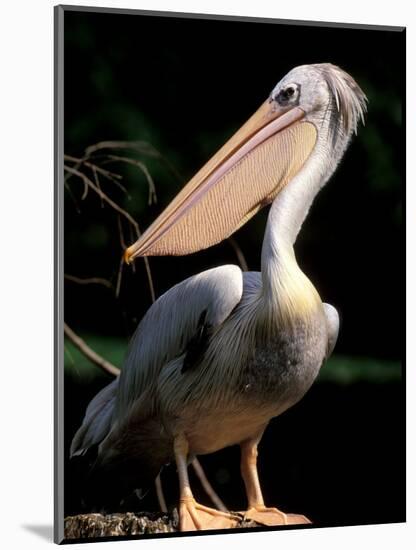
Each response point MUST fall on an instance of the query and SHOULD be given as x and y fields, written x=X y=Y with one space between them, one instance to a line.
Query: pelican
x=220 y=354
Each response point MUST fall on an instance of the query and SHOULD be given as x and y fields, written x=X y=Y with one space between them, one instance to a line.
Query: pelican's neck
x=285 y=287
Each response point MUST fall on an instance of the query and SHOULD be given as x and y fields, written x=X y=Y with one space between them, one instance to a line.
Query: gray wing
x=332 y=319
x=97 y=420
x=170 y=324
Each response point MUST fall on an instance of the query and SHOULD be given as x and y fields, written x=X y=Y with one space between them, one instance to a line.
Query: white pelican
x=220 y=354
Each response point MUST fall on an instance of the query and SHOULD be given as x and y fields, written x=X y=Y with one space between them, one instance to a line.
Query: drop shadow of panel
x=43 y=531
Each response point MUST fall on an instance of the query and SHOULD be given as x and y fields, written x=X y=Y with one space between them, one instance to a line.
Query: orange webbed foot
x=197 y=517
x=273 y=516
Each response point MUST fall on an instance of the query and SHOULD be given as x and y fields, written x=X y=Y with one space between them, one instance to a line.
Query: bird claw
x=196 y=517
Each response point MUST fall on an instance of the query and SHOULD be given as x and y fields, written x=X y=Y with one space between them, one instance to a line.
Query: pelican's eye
x=289 y=91
x=287 y=95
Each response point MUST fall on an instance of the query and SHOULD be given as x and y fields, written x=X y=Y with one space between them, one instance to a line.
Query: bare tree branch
x=112 y=176
x=142 y=167
x=71 y=194
x=150 y=279
x=121 y=234
x=103 y=171
x=90 y=353
x=87 y=181
x=89 y=281
x=119 y=277
x=140 y=147
x=239 y=253
x=98 y=184
x=69 y=354
x=85 y=193
x=133 y=265
x=117 y=208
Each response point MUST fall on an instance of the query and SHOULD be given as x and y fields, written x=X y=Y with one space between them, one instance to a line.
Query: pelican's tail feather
x=97 y=421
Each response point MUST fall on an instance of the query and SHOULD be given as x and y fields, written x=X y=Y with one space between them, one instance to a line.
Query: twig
x=103 y=171
x=121 y=234
x=142 y=167
x=141 y=147
x=87 y=181
x=133 y=265
x=119 y=276
x=85 y=193
x=89 y=281
x=90 y=353
x=74 y=365
x=160 y=494
x=66 y=350
x=95 y=168
x=117 y=208
x=71 y=194
x=207 y=486
x=239 y=253
x=150 y=279
x=77 y=165
x=98 y=184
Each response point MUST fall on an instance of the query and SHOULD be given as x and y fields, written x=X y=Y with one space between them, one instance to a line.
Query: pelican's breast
x=281 y=369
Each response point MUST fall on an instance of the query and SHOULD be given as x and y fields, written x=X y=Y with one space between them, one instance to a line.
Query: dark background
x=184 y=86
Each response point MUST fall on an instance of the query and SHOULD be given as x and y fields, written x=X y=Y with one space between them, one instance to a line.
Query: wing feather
x=97 y=420
x=332 y=319
x=169 y=325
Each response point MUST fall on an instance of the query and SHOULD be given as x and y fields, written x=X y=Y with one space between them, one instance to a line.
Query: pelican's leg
x=192 y=515
x=257 y=511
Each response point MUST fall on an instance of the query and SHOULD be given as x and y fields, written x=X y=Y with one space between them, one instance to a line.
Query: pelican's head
x=325 y=93
x=311 y=103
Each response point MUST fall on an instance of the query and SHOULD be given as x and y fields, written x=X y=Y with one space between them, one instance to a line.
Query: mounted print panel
x=230 y=275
